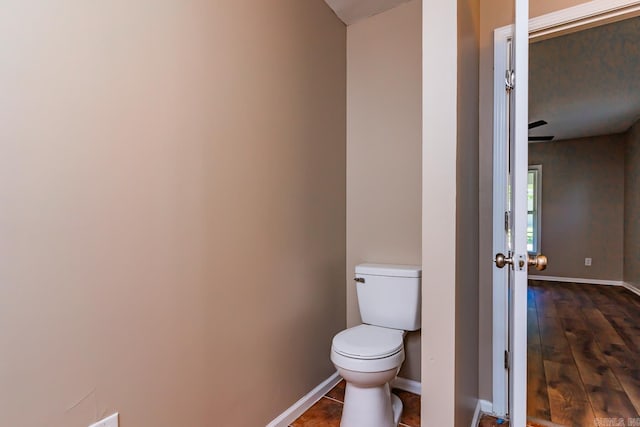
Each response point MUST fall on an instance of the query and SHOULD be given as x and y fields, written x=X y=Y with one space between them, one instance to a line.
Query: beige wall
x=582 y=206
x=172 y=182
x=439 y=135
x=493 y=14
x=383 y=150
x=450 y=206
x=632 y=206
x=467 y=213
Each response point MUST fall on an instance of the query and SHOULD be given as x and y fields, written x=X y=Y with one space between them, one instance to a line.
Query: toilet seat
x=368 y=342
x=367 y=348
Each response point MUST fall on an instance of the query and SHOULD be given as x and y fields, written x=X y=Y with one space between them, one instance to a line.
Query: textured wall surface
x=172 y=182
x=632 y=207
x=595 y=69
x=383 y=150
x=582 y=206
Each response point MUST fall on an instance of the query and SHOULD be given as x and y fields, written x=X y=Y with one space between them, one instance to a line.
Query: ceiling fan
x=536 y=124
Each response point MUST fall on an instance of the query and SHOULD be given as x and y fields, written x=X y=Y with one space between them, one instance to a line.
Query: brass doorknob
x=502 y=260
x=538 y=261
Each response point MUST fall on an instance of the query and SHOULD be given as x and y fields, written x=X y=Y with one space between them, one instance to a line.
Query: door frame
x=590 y=14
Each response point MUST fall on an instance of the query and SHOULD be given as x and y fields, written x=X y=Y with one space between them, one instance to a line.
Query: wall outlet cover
x=110 y=421
x=587 y=262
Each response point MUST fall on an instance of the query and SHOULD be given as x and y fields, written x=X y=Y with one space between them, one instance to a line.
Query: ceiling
x=583 y=84
x=586 y=83
x=350 y=11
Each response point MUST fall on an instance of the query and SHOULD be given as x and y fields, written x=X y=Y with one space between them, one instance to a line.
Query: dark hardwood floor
x=583 y=354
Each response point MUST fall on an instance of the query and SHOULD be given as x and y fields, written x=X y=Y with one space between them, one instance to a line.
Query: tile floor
x=328 y=410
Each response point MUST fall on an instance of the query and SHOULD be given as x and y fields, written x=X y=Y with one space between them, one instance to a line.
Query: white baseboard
x=475 y=421
x=482 y=407
x=486 y=407
x=631 y=287
x=306 y=402
x=578 y=280
x=407 y=385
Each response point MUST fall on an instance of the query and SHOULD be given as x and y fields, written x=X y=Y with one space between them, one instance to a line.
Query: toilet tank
x=389 y=295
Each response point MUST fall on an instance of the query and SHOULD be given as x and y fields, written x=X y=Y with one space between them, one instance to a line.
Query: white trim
x=406 y=384
x=577 y=280
x=519 y=147
x=631 y=287
x=306 y=402
x=581 y=15
x=482 y=407
x=486 y=407
x=500 y=166
x=475 y=421
x=576 y=16
x=111 y=420
x=538 y=208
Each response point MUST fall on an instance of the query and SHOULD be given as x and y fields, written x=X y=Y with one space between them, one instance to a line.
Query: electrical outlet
x=110 y=421
x=587 y=262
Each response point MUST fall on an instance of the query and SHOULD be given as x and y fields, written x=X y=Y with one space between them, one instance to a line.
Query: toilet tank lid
x=391 y=270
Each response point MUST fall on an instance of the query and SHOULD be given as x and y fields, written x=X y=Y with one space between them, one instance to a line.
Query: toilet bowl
x=368 y=358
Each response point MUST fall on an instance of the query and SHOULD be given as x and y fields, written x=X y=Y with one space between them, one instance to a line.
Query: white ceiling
x=350 y=11
x=586 y=83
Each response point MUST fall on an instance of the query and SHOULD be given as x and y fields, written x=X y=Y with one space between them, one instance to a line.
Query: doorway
x=583 y=325
x=541 y=28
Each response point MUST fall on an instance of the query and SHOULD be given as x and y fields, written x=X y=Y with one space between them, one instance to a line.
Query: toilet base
x=370 y=406
x=396 y=407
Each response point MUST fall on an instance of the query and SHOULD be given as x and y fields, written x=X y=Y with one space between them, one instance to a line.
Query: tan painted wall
x=450 y=206
x=493 y=14
x=632 y=206
x=383 y=150
x=467 y=213
x=582 y=206
x=172 y=182
x=439 y=142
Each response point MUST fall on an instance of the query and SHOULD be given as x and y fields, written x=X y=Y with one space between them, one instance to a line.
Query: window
x=534 y=182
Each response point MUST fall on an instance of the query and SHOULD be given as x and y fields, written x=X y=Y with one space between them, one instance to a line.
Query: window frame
x=537 y=213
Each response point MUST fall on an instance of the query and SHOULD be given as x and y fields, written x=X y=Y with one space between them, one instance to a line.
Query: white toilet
x=369 y=356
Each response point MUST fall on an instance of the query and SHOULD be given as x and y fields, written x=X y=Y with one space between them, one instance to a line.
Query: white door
x=518 y=142
x=510 y=191
x=521 y=261
x=516 y=260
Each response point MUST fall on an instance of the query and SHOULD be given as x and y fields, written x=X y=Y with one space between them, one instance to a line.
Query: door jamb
x=590 y=14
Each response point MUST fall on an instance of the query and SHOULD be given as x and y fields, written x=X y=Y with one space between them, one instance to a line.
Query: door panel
x=518 y=154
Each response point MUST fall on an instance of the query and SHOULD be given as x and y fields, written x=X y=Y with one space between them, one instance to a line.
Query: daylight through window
x=534 y=181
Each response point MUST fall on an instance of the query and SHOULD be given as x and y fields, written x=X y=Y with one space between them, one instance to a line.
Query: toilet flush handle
x=359 y=279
